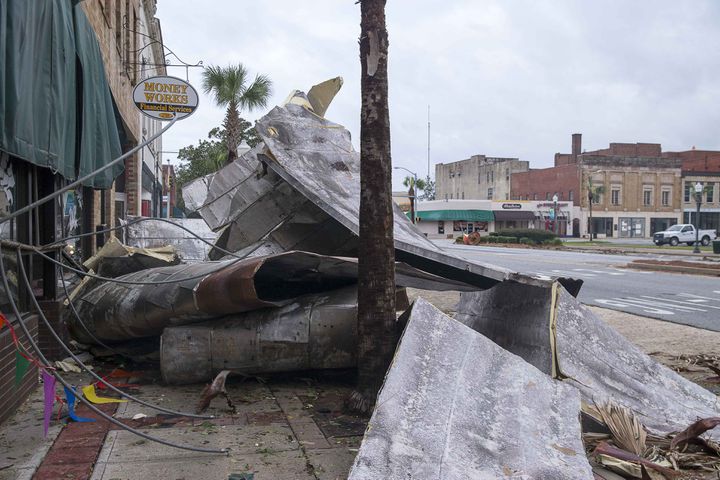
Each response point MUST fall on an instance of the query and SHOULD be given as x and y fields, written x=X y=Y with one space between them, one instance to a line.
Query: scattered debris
x=217 y=387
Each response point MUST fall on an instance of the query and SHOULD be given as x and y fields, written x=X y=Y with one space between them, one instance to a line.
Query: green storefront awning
x=456 y=215
x=55 y=103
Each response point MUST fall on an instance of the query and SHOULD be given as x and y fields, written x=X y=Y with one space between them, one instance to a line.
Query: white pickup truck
x=683 y=232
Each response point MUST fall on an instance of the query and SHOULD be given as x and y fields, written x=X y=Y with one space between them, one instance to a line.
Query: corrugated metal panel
x=455 y=406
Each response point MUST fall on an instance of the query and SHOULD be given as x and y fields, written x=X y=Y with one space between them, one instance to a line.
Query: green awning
x=457 y=215
x=55 y=103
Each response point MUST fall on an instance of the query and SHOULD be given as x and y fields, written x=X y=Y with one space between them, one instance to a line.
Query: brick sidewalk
x=284 y=429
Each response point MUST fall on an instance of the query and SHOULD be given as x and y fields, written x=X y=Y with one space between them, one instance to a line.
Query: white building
x=451 y=218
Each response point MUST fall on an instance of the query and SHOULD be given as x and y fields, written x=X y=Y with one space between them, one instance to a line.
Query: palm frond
x=257 y=93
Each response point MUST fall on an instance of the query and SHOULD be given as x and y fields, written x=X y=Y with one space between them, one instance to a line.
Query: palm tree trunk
x=376 y=290
x=232 y=131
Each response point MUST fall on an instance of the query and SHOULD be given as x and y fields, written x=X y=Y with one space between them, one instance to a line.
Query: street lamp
x=555 y=213
x=413 y=189
x=591 y=195
x=698 y=200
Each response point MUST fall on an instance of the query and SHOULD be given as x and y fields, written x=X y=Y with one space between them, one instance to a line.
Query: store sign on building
x=165 y=98
x=511 y=206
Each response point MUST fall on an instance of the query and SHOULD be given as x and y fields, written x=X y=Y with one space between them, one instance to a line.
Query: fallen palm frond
x=627 y=431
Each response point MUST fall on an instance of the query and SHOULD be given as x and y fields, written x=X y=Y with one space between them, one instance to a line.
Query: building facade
x=639 y=189
x=477 y=178
x=130 y=41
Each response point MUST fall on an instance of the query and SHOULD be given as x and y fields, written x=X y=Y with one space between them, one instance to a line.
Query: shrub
x=484 y=239
x=494 y=234
x=527 y=241
x=537 y=235
x=553 y=241
x=492 y=239
x=459 y=239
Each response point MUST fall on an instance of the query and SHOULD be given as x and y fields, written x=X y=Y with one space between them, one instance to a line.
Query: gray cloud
x=503 y=77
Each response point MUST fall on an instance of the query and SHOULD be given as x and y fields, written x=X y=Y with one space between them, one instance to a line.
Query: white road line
x=580 y=274
x=613 y=303
x=680 y=301
x=700 y=298
x=659 y=304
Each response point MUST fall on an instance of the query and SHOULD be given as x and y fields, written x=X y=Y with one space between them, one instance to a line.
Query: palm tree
x=229 y=87
x=377 y=335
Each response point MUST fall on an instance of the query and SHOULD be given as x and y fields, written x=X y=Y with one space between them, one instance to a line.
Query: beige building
x=710 y=206
x=641 y=195
x=477 y=178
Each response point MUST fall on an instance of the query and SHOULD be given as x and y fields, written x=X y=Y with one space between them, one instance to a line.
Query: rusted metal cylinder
x=314 y=332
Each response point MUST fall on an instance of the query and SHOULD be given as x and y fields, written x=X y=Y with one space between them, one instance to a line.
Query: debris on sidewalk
x=496 y=392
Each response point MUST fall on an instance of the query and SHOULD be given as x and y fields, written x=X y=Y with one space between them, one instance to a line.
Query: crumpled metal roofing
x=455 y=405
x=118 y=311
x=151 y=233
x=300 y=190
x=553 y=331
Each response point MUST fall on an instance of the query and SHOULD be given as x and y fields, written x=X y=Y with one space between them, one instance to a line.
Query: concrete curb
x=709 y=271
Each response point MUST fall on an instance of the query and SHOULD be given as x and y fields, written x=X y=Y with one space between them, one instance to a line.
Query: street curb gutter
x=712 y=271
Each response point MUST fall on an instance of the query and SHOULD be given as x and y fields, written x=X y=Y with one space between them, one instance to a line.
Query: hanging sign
x=164 y=98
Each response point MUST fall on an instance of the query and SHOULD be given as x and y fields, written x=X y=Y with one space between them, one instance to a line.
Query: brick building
x=477 y=178
x=58 y=123
x=700 y=166
x=130 y=40
x=642 y=188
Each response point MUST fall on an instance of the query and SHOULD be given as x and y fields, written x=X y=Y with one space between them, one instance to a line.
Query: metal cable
x=59 y=377
x=146 y=219
x=79 y=362
x=135 y=282
x=90 y=175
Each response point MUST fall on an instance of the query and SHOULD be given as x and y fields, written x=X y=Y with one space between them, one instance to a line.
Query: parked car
x=683 y=232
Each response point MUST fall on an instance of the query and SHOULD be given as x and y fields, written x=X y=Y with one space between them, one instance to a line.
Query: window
x=451 y=196
x=463 y=195
x=490 y=194
x=571 y=196
x=507 y=196
x=507 y=174
x=647 y=196
x=492 y=176
x=487 y=177
x=534 y=196
x=665 y=197
x=688 y=191
x=446 y=196
x=547 y=196
x=615 y=196
x=441 y=226
x=709 y=192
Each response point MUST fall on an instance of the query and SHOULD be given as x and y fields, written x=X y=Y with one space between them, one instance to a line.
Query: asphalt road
x=680 y=298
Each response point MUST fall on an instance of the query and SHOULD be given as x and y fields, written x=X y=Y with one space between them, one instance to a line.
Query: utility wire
x=60 y=378
x=90 y=175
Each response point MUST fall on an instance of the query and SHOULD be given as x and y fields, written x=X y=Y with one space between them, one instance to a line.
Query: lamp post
x=413 y=192
x=698 y=200
x=555 y=214
x=591 y=196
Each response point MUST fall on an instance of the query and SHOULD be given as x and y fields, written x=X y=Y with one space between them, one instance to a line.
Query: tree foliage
x=427 y=186
x=209 y=155
x=230 y=87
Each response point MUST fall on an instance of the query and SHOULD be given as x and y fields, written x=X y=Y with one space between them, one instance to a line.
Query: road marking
x=613 y=303
x=690 y=302
x=642 y=302
x=700 y=298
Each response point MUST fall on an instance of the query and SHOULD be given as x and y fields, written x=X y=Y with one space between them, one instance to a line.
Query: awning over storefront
x=513 y=215
x=456 y=215
x=55 y=104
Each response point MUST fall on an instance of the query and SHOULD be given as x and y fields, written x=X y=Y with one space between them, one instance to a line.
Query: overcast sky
x=508 y=78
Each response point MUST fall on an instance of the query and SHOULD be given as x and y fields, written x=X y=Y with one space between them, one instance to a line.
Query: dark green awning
x=457 y=215
x=49 y=63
